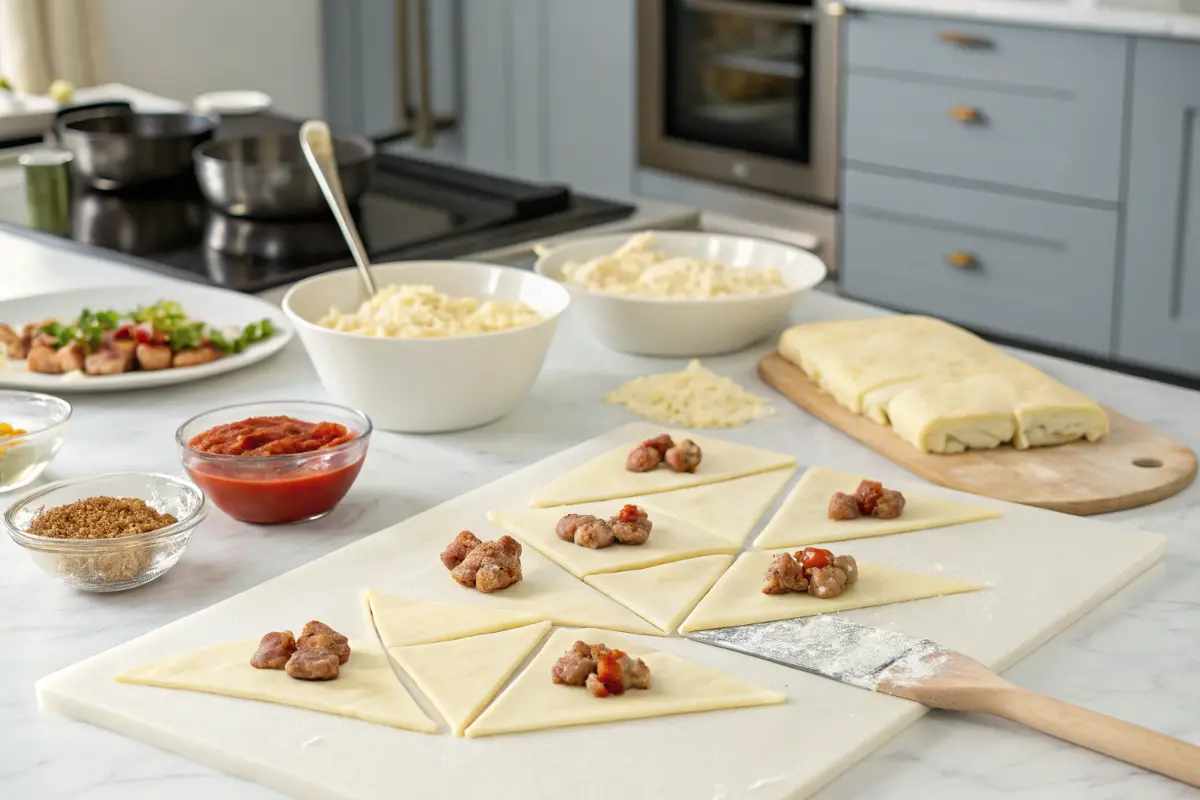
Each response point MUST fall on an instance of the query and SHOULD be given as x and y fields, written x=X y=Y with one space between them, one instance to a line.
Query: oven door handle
x=764 y=11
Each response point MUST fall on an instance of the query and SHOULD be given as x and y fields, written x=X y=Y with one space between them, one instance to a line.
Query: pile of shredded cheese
x=694 y=398
x=403 y=311
x=637 y=269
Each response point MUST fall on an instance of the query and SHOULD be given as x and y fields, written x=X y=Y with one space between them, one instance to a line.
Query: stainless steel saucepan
x=115 y=147
x=267 y=177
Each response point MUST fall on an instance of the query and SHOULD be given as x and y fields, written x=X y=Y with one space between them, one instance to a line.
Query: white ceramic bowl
x=428 y=385
x=688 y=328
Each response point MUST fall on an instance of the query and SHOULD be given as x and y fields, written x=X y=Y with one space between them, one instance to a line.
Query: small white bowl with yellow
x=443 y=346
x=681 y=293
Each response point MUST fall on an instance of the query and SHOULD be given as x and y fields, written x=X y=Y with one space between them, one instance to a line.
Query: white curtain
x=44 y=40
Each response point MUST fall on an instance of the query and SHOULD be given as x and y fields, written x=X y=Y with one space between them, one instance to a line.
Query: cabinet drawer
x=1064 y=144
x=1034 y=269
x=1068 y=62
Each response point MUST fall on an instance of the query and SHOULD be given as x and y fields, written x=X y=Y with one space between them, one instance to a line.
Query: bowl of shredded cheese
x=681 y=293
x=442 y=346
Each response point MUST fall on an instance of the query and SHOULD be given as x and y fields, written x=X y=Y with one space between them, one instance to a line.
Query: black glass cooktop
x=413 y=209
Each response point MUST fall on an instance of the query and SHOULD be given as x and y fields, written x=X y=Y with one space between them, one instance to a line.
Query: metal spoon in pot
x=317 y=145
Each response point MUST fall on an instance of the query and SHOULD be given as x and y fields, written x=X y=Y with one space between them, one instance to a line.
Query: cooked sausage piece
x=574 y=666
x=848 y=565
x=19 y=348
x=643 y=458
x=594 y=535
x=603 y=671
x=318 y=635
x=313 y=664
x=153 y=356
x=631 y=525
x=662 y=443
x=889 y=505
x=843 y=506
x=684 y=457
x=826 y=582
x=274 y=650
x=868 y=495
x=458 y=549
x=784 y=575
x=194 y=356
x=44 y=359
x=491 y=566
x=105 y=362
x=71 y=357
x=566 y=527
x=7 y=334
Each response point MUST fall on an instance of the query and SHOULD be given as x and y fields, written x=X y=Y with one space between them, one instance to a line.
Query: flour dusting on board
x=834 y=647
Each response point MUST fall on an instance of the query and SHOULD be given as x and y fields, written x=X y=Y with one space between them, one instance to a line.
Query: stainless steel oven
x=743 y=92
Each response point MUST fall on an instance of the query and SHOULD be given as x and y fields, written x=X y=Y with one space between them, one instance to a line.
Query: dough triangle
x=730 y=509
x=804 y=516
x=670 y=540
x=663 y=595
x=404 y=621
x=462 y=676
x=677 y=686
x=737 y=598
x=366 y=688
x=605 y=477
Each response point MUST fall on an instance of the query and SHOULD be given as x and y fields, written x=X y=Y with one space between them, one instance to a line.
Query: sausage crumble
x=485 y=566
x=813 y=570
x=662 y=449
x=631 y=526
x=869 y=500
x=315 y=656
x=605 y=672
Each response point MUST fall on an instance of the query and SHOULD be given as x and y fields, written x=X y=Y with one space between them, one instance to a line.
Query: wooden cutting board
x=1133 y=466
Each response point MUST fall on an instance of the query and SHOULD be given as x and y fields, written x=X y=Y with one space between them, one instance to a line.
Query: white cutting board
x=763 y=753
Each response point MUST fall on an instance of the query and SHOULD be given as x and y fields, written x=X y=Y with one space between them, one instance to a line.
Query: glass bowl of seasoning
x=110 y=532
x=32 y=428
x=275 y=462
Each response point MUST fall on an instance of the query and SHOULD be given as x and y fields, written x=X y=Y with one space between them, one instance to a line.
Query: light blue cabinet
x=1159 y=322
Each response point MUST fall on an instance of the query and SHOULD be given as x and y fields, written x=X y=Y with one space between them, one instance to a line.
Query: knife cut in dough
x=804 y=516
x=462 y=676
x=533 y=702
x=547 y=592
x=403 y=621
x=605 y=477
x=663 y=595
x=670 y=540
x=365 y=689
x=729 y=510
x=737 y=598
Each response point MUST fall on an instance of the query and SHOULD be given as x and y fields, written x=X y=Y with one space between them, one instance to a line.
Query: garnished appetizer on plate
x=109 y=342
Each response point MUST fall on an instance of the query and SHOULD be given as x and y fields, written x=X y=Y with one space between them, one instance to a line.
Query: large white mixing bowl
x=428 y=385
x=687 y=328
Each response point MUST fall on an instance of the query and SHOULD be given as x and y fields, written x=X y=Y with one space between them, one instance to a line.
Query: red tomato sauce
x=294 y=494
x=270 y=436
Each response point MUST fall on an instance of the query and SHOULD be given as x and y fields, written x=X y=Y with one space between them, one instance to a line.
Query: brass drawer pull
x=966 y=114
x=964 y=40
x=961 y=260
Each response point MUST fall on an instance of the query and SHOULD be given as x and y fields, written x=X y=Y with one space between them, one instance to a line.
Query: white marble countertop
x=1135 y=657
x=1167 y=18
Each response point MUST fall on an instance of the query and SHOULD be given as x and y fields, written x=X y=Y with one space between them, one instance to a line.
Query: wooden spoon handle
x=1125 y=741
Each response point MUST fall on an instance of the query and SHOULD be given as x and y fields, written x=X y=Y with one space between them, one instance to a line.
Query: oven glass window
x=738 y=75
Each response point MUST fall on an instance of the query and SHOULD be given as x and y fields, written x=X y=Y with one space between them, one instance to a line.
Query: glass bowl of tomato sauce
x=274 y=462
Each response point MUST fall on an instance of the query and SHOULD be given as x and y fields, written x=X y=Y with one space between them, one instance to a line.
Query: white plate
x=214 y=306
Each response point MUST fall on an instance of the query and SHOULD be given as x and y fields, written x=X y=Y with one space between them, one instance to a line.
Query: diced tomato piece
x=815 y=558
x=610 y=672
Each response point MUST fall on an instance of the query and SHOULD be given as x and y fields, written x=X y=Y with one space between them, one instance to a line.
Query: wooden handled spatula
x=924 y=671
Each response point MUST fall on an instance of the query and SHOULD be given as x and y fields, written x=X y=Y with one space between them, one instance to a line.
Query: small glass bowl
x=110 y=565
x=23 y=457
x=272 y=490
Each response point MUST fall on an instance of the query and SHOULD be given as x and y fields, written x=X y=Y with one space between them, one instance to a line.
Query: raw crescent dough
x=366 y=688
x=678 y=686
x=729 y=510
x=605 y=477
x=663 y=595
x=670 y=540
x=804 y=516
x=737 y=599
x=403 y=621
x=462 y=676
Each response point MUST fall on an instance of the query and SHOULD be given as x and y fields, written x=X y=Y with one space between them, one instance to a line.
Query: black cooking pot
x=114 y=147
